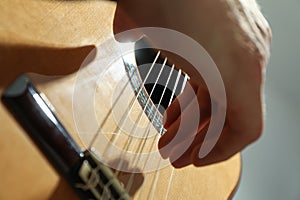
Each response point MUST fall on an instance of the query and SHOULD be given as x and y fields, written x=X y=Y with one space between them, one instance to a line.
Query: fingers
x=187 y=158
x=184 y=128
x=228 y=145
x=181 y=133
x=243 y=126
x=179 y=104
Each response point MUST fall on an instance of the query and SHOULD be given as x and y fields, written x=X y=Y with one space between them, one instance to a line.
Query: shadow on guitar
x=17 y=59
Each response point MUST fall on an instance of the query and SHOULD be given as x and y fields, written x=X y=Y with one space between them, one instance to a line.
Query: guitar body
x=55 y=38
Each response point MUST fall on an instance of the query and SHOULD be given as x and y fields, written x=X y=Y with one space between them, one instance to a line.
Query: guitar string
x=115 y=137
x=172 y=168
x=110 y=111
x=173 y=93
x=145 y=107
x=170 y=101
x=131 y=106
x=158 y=172
x=124 y=118
x=142 y=144
x=129 y=140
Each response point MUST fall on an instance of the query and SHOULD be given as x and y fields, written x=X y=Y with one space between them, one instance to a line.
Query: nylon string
x=156 y=139
x=130 y=181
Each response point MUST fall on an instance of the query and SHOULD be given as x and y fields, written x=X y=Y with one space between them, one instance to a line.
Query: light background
x=271 y=166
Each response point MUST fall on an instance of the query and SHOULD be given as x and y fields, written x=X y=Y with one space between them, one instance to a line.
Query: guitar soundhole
x=144 y=59
x=155 y=97
x=155 y=81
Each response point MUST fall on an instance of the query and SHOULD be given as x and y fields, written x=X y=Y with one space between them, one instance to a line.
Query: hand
x=237 y=37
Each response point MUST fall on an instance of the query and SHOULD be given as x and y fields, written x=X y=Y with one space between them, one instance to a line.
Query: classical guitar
x=65 y=41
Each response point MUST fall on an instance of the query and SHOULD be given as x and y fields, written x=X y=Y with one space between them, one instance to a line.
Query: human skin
x=237 y=37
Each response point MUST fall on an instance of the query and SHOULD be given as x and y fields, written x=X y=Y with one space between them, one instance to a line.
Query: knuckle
x=252 y=48
x=269 y=33
x=264 y=28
